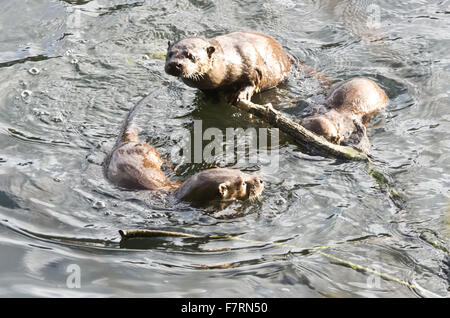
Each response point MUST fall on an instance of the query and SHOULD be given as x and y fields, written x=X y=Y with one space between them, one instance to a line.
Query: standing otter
x=348 y=108
x=239 y=63
x=137 y=165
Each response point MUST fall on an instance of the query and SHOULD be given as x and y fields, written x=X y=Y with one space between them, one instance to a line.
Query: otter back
x=239 y=63
x=349 y=107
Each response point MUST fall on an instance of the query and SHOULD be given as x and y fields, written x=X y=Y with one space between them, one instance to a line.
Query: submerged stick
x=161 y=233
x=305 y=137
x=127 y=234
x=302 y=135
x=144 y=233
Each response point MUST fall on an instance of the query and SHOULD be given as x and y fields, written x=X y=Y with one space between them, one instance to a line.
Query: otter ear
x=223 y=189
x=210 y=50
x=169 y=43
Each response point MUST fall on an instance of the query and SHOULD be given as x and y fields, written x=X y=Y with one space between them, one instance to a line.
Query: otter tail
x=128 y=132
x=322 y=78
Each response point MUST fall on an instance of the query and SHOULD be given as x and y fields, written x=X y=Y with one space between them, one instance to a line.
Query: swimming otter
x=231 y=183
x=137 y=165
x=348 y=108
x=238 y=64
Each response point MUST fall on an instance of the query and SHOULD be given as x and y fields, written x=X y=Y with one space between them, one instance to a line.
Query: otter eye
x=190 y=56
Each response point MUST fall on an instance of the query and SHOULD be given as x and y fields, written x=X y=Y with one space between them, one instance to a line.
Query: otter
x=347 y=110
x=238 y=64
x=133 y=164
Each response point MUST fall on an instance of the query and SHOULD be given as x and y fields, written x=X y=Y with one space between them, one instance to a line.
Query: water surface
x=69 y=72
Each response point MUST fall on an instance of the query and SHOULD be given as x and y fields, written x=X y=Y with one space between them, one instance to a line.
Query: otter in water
x=238 y=64
x=348 y=108
x=133 y=164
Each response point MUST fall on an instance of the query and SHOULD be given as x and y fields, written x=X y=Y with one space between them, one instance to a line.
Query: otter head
x=220 y=184
x=189 y=58
x=322 y=126
x=241 y=188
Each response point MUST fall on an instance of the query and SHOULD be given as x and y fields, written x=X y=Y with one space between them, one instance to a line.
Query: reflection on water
x=72 y=69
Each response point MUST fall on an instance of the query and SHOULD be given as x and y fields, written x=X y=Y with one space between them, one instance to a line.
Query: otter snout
x=174 y=68
x=256 y=187
x=259 y=182
x=321 y=126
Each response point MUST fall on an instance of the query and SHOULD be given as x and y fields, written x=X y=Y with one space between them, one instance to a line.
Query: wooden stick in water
x=127 y=234
x=302 y=135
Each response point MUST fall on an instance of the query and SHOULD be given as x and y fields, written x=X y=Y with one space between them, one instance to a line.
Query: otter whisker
x=194 y=76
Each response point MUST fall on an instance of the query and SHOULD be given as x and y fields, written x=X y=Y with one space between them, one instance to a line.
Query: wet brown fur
x=238 y=64
x=350 y=106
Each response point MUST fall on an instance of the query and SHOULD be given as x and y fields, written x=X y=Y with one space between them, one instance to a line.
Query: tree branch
x=302 y=135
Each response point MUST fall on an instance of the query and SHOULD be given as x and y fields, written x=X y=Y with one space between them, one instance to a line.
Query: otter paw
x=244 y=94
